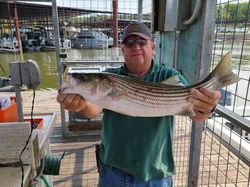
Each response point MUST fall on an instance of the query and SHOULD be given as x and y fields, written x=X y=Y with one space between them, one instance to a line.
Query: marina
x=41 y=42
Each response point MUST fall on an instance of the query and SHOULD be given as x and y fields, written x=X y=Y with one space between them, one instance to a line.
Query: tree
x=232 y=11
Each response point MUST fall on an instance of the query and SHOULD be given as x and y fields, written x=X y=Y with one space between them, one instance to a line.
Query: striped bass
x=133 y=97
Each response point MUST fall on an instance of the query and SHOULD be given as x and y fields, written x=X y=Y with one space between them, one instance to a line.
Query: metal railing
x=225 y=152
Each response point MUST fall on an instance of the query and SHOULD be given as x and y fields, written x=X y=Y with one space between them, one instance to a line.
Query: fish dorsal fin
x=174 y=80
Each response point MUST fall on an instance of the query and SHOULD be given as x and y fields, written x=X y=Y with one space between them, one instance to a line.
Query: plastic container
x=9 y=114
x=38 y=122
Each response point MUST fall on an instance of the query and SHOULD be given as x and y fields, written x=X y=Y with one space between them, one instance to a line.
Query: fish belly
x=128 y=108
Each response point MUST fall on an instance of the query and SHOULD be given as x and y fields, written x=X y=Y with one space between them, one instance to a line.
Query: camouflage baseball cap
x=137 y=28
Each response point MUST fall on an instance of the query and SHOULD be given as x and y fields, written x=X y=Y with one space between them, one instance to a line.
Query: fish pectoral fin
x=174 y=80
x=117 y=95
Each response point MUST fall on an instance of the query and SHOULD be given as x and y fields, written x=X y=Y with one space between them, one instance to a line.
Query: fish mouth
x=63 y=89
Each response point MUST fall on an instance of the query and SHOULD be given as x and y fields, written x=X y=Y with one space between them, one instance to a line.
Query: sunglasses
x=131 y=43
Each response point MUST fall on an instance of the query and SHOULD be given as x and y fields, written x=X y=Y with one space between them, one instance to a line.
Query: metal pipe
x=115 y=49
x=195 y=13
x=18 y=35
x=204 y=45
x=140 y=10
x=177 y=39
x=19 y=103
x=59 y=66
x=115 y=23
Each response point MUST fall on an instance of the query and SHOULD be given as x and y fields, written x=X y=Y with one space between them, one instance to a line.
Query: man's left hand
x=204 y=101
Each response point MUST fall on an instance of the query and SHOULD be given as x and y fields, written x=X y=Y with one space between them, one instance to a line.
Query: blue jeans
x=112 y=177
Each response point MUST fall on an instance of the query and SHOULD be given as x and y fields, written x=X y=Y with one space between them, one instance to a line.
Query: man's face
x=138 y=54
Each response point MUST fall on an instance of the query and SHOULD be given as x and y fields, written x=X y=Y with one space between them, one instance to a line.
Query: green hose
x=51 y=165
x=45 y=181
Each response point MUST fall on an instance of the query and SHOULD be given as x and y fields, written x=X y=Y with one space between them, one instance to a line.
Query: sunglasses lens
x=141 y=42
x=130 y=43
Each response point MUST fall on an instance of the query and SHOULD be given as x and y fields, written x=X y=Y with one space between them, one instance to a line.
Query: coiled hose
x=50 y=165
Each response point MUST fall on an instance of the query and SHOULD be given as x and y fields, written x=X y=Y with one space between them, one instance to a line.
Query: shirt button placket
x=129 y=181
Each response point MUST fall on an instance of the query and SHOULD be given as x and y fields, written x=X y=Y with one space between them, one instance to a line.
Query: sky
x=125 y=6
x=128 y=6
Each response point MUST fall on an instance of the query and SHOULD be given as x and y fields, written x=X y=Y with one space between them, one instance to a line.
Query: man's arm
x=204 y=101
x=76 y=103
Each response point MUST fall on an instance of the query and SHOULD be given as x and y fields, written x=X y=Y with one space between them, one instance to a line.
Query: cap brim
x=144 y=36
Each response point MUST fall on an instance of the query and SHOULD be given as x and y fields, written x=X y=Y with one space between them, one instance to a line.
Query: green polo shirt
x=141 y=146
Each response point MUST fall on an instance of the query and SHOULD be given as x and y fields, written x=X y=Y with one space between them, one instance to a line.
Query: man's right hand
x=76 y=103
x=72 y=102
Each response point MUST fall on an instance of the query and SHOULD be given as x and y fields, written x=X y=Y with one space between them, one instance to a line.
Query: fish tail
x=223 y=73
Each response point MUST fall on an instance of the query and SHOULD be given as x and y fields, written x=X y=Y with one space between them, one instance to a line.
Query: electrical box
x=169 y=15
x=25 y=73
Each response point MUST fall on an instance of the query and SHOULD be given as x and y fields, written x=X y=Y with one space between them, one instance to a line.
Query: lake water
x=48 y=67
x=47 y=62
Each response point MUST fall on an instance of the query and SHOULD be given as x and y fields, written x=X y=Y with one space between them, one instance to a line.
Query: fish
x=134 y=97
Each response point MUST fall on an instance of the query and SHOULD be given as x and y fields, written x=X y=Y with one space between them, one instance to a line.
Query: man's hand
x=72 y=102
x=76 y=103
x=204 y=100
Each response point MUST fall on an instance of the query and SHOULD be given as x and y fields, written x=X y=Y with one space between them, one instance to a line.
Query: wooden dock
x=78 y=168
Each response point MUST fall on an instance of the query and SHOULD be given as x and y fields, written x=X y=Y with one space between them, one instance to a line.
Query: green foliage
x=233 y=11
x=97 y=17
x=88 y=18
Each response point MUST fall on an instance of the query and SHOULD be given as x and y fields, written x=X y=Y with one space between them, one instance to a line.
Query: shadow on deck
x=218 y=165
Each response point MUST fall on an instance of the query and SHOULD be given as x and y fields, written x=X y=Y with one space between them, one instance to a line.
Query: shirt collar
x=153 y=69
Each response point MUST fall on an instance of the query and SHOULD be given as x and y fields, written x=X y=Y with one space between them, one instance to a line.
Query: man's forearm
x=91 y=110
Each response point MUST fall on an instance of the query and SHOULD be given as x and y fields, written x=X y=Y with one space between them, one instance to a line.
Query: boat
x=48 y=48
x=32 y=38
x=91 y=40
x=5 y=85
x=65 y=43
x=9 y=44
x=50 y=45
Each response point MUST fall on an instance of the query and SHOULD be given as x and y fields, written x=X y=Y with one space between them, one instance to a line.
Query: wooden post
x=115 y=49
x=115 y=23
x=18 y=35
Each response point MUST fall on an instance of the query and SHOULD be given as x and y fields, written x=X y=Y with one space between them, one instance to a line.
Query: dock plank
x=78 y=168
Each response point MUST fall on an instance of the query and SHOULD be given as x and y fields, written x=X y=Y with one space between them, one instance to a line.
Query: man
x=137 y=151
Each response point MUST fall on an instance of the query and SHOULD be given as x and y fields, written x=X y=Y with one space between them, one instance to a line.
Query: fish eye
x=84 y=77
x=79 y=76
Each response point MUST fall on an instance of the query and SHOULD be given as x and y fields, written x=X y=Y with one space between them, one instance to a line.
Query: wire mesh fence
x=182 y=139
x=225 y=159
x=231 y=34
x=225 y=156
